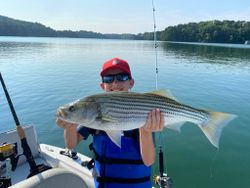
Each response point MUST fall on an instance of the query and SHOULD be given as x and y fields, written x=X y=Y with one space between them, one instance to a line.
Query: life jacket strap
x=109 y=160
x=122 y=180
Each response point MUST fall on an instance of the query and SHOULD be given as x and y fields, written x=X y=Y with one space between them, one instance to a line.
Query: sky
x=122 y=16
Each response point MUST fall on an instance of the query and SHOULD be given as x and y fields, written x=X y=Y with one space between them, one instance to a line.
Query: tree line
x=208 y=31
x=13 y=27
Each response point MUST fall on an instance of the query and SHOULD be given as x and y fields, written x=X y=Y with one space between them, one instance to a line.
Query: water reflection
x=12 y=50
x=219 y=54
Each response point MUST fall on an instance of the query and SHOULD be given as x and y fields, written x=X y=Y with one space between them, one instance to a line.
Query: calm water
x=44 y=73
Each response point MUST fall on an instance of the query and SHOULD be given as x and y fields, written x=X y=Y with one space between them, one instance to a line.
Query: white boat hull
x=65 y=171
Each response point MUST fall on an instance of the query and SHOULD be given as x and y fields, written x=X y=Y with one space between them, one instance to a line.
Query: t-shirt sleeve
x=84 y=131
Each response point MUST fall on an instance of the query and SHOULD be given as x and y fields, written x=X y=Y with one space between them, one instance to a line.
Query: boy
x=128 y=166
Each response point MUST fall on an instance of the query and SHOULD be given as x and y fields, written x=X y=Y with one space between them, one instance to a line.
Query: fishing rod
x=34 y=169
x=163 y=180
x=155 y=46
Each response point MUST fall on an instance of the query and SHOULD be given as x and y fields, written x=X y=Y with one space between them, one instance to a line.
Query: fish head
x=83 y=111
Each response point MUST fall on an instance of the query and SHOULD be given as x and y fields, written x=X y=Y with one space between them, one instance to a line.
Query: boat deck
x=23 y=170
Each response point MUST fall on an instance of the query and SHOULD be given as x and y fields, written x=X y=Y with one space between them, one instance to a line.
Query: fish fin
x=115 y=136
x=175 y=126
x=164 y=92
x=214 y=126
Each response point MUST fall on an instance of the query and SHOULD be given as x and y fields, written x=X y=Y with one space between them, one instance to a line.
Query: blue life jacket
x=119 y=167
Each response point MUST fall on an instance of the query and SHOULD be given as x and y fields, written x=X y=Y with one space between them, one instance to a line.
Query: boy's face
x=117 y=85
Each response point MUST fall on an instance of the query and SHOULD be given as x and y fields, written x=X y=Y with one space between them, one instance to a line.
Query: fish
x=115 y=112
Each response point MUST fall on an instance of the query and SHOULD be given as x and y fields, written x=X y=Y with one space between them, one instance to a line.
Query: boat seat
x=31 y=137
x=53 y=178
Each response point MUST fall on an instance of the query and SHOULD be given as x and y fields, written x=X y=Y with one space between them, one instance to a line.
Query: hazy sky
x=122 y=16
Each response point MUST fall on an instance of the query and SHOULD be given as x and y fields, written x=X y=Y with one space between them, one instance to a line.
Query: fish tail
x=214 y=126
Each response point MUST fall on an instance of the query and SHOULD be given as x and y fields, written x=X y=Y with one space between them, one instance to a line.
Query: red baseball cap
x=116 y=63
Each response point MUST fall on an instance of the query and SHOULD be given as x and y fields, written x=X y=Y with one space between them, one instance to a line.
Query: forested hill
x=209 y=31
x=13 y=27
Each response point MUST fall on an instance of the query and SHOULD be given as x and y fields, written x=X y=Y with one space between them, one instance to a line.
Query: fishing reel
x=164 y=181
x=8 y=162
x=6 y=150
x=9 y=151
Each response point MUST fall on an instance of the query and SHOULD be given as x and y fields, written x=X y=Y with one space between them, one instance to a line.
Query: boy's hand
x=64 y=124
x=155 y=121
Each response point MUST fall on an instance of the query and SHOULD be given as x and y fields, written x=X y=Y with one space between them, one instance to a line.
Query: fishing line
x=156 y=67
x=156 y=63
x=155 y=47
x=212 y=163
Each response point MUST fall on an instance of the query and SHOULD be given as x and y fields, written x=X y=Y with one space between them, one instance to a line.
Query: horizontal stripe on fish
x=147 y=107
x=133 y=114
x=146 y=110
x=153 y=100
x=135 y=101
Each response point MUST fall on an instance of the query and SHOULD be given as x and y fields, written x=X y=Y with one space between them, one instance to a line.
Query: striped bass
x=114 y=112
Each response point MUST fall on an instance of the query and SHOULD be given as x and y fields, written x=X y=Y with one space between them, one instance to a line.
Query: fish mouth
x=60 y=113
x=66 y=121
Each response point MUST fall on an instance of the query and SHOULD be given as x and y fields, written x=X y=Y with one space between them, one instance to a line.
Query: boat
x=247 y=42
x=65 y=171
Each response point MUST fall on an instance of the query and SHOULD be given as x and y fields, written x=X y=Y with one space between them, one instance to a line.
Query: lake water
x=44 y=73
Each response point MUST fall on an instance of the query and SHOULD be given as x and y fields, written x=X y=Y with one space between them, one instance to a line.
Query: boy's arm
x=154 y=123
x=71 y=136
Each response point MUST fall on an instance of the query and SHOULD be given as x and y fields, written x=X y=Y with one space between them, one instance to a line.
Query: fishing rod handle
x=161 y=162
x=20 y=132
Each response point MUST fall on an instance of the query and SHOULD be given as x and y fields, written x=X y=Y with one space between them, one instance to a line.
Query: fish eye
x=71 y=108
